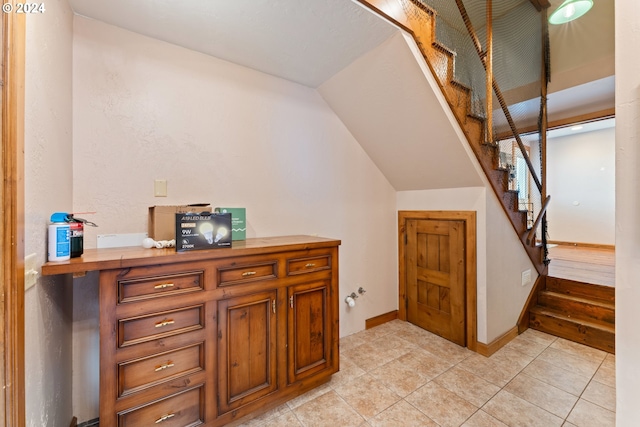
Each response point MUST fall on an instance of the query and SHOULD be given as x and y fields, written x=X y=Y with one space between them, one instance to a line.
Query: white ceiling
x=305 y=41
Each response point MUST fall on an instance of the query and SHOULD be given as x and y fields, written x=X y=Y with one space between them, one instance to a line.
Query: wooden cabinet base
x=216 y=336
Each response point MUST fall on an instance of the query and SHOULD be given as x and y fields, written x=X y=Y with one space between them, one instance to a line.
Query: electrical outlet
x=160 y=188
x=30 y=271
x=526 y=277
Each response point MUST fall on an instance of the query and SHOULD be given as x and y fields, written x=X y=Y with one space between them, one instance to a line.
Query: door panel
x=308 y=326
x=436 y=277
x=247 y=349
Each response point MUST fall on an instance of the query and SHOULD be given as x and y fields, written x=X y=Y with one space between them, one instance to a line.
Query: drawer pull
x=167 y=365
x=273 y=306
x=164 y=418
x=164 y=286
x=310 y=265
x=248 y=273
x=165 y=322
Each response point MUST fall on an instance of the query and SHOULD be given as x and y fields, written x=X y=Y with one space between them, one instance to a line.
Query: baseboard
x=488 y=349
x=379 y=320
x=581 y=245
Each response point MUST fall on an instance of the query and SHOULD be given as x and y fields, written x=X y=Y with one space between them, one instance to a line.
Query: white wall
x=48 y=182
x=506 y=260
x=581 y=182
x=220 y=133
x=500 y=255
x=627 y=208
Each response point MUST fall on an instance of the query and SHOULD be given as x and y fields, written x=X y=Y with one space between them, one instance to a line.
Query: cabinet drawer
x=236 y=274
x=159 y=325
x=308 y=264
x=162 y=286
x=139 y=374
x=179 y=410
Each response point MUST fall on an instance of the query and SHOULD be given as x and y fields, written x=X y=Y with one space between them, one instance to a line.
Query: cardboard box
x=162 y=219
x=238 y=222
x=202 y=231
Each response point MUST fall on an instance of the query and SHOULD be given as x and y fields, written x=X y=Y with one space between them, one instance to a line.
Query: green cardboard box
x=238 y=222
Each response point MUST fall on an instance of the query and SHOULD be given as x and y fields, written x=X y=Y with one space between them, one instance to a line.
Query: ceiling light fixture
x=570 y=10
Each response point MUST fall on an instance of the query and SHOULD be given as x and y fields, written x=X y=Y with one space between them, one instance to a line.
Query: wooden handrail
x=536 y=223
x=498 y=92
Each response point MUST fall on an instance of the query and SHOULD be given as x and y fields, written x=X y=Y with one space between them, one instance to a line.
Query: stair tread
x=580 y=298
x=480 y=119
x=544 y=311
x=461 y=85
x=438 y=45
x=573 y=287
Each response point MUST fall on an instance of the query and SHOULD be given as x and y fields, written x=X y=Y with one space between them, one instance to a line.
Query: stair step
x=592 y=333
x=460 y=85
x=444 y=49
x=580 y=289
x=577 y=307
x=480 y=119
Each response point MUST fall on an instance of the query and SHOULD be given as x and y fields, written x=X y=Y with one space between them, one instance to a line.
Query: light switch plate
x=160 y=188
x=30 y=271
x=526 y=277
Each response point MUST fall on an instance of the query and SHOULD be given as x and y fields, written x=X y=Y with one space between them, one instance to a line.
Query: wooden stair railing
x=441 y=62
x=536 y=223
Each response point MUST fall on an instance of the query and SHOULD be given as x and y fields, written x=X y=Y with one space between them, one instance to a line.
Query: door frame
x=469 y=219
x=12 y=409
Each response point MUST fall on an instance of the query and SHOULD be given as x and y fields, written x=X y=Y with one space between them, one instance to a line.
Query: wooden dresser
x=207 y=337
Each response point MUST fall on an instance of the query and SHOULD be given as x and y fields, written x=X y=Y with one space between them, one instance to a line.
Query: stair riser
x=574 y=331
x=569 y=287
x=578 y=309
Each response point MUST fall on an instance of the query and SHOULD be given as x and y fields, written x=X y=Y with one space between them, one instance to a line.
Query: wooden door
x=246 y=349
x=308 y=329
x=435 y=275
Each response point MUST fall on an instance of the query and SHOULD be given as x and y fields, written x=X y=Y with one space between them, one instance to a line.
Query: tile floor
x=397 y=374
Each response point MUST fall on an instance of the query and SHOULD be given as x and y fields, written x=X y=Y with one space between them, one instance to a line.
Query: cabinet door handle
x=310 y=265
x=164 y=286
x=164 y=418
x=291 y=301
x=248 y=273
x=165 y=322
x=273 y=306
x=162 y=367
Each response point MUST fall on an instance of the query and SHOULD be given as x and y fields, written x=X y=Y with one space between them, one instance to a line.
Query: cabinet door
x=309 y=333
x=246 y=349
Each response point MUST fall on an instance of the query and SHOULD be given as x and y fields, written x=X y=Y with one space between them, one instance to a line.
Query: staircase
x=576 y=311
x=420 y=20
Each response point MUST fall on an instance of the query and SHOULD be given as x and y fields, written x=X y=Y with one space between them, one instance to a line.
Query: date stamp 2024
x=23 y=8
